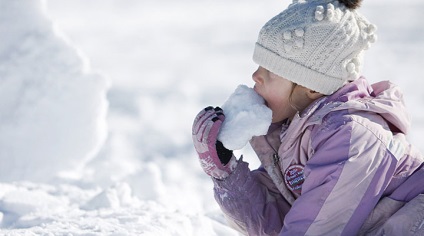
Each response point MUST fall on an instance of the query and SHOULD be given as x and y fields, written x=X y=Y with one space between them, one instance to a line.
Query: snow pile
x=36 y=209
x=246 y=115
x=59 y=175
x=52 y=107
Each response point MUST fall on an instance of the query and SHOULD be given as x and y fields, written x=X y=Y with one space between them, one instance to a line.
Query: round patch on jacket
x=294 y=178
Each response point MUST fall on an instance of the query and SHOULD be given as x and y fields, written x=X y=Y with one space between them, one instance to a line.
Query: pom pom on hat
x=316 y=43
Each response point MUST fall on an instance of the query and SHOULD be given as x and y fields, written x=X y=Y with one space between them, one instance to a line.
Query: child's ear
x=313 y=94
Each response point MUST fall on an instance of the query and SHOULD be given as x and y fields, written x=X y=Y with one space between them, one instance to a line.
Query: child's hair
x=351 y=4
x=316 y=43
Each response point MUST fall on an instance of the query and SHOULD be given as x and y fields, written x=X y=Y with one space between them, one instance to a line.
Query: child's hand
x=215 y=159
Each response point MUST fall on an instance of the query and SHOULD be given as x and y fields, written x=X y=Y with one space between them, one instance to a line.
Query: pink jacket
x=342 y=167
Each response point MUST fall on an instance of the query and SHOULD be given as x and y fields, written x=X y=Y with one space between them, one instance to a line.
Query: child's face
x=276 y=91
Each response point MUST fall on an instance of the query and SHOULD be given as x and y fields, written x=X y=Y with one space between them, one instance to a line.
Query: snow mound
x=23 y=201
x=119 y=195
x=33 y=209
x=246 y=115
x=53 y=108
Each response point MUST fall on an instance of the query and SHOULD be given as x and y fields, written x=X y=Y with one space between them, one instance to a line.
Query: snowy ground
x=98 y=97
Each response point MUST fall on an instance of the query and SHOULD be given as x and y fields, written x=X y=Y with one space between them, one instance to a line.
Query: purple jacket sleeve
x=251 y=201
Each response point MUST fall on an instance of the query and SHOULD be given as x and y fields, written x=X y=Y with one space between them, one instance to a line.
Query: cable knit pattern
x=317 y=43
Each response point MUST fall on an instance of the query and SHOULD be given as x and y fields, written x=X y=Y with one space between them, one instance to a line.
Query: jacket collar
x=383 y=98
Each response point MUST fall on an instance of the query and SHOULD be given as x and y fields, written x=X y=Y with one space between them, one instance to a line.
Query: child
x=335 y=160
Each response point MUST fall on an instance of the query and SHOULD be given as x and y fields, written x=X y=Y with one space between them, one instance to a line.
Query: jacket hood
x=383 y=98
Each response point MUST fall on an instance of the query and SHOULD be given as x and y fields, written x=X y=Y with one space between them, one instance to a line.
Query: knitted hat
x=316 y=43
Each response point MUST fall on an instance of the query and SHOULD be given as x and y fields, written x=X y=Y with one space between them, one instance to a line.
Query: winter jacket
x=341 y=167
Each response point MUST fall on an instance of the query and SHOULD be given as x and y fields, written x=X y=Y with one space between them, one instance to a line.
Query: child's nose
x=256 y=77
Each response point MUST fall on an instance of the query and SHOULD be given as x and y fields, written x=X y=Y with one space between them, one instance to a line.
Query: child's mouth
x=255 y=89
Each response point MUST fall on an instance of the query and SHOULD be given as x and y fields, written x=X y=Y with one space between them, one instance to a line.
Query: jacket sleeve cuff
x=238 y=177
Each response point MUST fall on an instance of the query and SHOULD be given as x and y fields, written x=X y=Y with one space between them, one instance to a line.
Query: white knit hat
x=315 y=43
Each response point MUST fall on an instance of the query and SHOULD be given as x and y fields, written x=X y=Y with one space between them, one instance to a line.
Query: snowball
x=246 y=115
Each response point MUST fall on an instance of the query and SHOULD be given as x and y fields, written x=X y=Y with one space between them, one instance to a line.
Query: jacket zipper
x=275 y=157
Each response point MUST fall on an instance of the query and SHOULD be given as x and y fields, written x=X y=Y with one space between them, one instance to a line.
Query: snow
x=98 y=98
x=51 y=105
x=246 y=115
